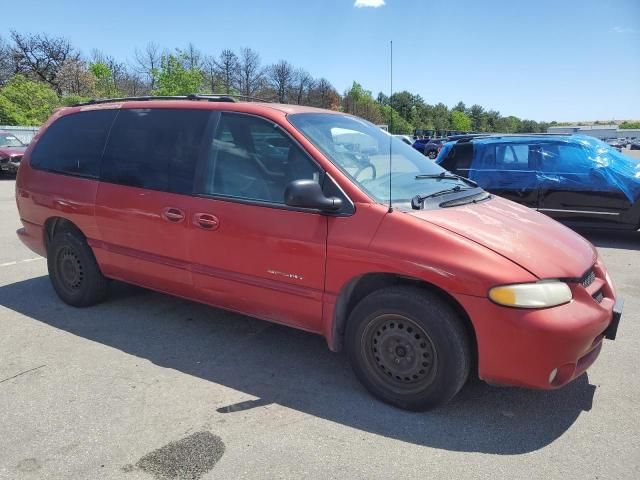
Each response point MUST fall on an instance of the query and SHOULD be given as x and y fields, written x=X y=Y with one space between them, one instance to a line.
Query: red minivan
x=321 y=221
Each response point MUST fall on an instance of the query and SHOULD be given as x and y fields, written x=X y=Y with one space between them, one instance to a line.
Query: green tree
x=25 y=102
x=360 y=102
x=176 y=77
x=460 y=107
x=441 y=117
x=69 y=100
x=529 y=126
x=405 y=104
x=397 y=124
x=479 y=121
x=627 y=125
x=509 y=124
x=493 y=118
x=105 y=86
x=460 y=121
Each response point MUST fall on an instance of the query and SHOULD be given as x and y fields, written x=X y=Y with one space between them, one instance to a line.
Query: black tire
x=432 y=154
x=73 y=270
x=408 y=347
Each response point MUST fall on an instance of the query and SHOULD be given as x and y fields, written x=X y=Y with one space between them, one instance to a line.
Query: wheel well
x=57 y=224
x=364 y=285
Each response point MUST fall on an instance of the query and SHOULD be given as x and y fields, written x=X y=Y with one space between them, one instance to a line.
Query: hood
x=530 y=239
x=10 y=151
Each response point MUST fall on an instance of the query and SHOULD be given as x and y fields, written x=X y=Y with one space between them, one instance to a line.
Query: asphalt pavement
x=148 y=386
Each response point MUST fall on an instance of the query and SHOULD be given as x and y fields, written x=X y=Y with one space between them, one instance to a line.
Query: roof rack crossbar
x=468 y=138
x=209 y=97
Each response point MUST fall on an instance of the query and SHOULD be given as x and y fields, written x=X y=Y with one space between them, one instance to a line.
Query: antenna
x=391 y=128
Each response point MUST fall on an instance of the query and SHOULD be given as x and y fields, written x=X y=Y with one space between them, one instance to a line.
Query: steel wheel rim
x=399 y=353
x=69 y=269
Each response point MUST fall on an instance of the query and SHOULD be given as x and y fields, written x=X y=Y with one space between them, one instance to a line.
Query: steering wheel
x=374 y=173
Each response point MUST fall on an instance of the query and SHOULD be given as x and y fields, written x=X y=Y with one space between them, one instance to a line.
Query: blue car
x=429 y=146
x=578 y=180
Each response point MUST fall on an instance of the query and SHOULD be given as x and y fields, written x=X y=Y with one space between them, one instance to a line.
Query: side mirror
x=308 y=194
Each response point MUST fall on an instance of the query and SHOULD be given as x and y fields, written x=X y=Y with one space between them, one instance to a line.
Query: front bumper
x=612 y=330
x=9 y=167
x=545 y=348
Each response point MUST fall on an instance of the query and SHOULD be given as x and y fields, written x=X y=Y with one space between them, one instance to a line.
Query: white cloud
x=369 y=3
x=623 y=30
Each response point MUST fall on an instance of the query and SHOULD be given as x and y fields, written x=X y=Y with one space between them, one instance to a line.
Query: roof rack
x=209 y=97
x=468 y=138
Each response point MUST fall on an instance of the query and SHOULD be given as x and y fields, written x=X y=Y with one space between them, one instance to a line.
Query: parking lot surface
x=150 y=386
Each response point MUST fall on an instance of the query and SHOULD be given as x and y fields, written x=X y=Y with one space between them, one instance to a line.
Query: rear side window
x=73 y=144
x=504 y=156
x=512 y=156
x=155 y=148
x=458 y=157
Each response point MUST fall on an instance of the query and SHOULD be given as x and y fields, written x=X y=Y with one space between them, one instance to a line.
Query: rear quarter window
x=457 y=157
x=74 y=143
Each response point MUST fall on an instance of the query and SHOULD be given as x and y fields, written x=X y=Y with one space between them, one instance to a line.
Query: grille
x=588 y=278
x=16 y=159
x=598 y=296
x=4 y=160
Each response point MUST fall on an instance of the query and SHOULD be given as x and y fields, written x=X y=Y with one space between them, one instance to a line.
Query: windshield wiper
x=445 y=175
x=418 y=200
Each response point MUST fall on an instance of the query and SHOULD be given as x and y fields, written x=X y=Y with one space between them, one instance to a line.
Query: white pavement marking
x=26 y=260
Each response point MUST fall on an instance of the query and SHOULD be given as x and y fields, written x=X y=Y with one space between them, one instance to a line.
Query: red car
x=11 y=151
x=297 y=216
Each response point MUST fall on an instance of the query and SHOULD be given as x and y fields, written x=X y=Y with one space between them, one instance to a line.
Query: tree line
x=39 y=72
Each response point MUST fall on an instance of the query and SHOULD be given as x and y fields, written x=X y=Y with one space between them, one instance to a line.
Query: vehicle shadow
x=295 y=369
x=627 y=240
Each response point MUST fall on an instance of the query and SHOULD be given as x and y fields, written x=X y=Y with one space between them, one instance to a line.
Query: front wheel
x=432 y=154
x=408 y=347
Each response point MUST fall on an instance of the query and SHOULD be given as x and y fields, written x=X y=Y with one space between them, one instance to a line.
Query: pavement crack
x=21 y=373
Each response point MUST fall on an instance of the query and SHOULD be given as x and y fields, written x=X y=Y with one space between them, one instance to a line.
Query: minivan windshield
x=361 y=150
x=8 y=140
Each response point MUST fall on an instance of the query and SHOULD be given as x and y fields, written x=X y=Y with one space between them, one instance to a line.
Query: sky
x=564 y=60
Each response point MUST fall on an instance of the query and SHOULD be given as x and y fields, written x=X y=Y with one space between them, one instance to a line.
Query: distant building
x=598 y=131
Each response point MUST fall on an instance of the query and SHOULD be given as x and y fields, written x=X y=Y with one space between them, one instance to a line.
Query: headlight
x=532 y=295
x=610 y=283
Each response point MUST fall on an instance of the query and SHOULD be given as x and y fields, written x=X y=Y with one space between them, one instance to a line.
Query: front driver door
x=507 y=170
x=250 y=252
x=575 y=189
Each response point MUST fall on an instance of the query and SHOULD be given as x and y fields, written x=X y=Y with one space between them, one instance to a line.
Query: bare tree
x=302 y=81
x=209 y=70
x=193 y=57
x=280 y=76
x=6 y=63
x=134 y=85
x=41 y=56
x=227 y=69
x=147 y=60
x=75 y=78
x=322 y=94
x=251 y=73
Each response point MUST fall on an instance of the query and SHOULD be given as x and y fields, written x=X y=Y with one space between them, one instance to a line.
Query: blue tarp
x=575 y=162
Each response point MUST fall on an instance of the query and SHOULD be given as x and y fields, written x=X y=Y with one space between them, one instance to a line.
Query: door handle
x=172 y=214
x=206 y=221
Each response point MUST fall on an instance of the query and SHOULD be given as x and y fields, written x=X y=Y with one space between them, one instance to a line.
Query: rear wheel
x=73 y=270
x=408 y=347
